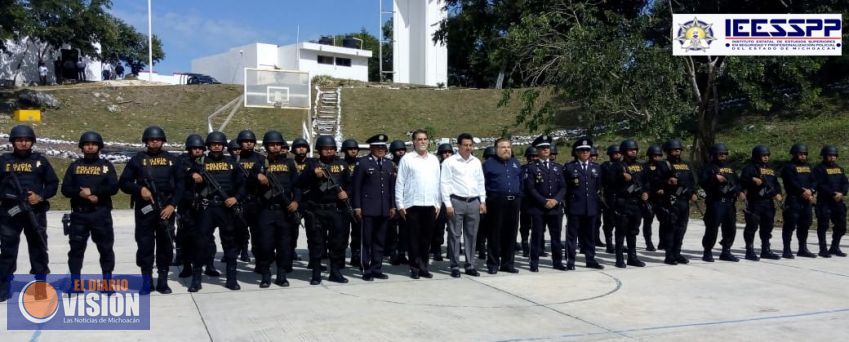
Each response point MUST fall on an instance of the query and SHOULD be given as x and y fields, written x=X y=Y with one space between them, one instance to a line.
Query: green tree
x=10 y=21
x=124 y=43
x=50 y=24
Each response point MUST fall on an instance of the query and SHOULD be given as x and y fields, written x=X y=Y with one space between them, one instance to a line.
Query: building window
x=343 y=61
x=325 y=60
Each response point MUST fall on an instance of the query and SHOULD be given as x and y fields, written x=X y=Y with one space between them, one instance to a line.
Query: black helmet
x=553 y=149
x=444 y=148
x=718 y=148
x=593 y=152
x=273 y=137
x=325 y=141
x=654 y=150
x=22 y=131
x=612 y=149
x=91 y=137
x=153 y=132
x=628 y=145
x=233 y=145
x=350 y=144
x=829 y=150
x=489 y=152
x=530 y=151
x=798 y=148
x=216 y=137
x=673 y=144
x=760 y=151
x=194 y=140
x=300 y=142
x=396 y=145
x=246 y=135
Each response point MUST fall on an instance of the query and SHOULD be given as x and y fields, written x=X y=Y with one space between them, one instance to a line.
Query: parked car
x=201 y=79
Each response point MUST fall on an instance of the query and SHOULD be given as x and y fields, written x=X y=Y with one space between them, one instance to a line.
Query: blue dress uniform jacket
x=582 y=189
x=544 y=183
x=373 y=186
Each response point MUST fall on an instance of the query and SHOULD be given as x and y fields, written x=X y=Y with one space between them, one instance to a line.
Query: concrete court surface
x=801 y=299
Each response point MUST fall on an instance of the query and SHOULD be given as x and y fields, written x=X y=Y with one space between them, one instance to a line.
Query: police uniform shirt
x=250 y=164
x=162 y=167
x=830 y=179
x=94 y=173
x=583 y=180
x=627 y=189
x=226 y=172
x=544 y=180
x=680 y=170
x=768 y=189
x=34 y=174
x=713 y=188
x=798 y=176
x=285 y=173
x=312 y=185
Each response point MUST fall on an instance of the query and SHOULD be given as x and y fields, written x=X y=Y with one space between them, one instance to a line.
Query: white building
x=416 y=58
x=317 y=59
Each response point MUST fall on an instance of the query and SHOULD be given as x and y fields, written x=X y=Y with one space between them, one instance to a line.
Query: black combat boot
x=355 y=259
x=210 y=269
x=316 y=276
x=669 y=259
x=147 y=282
x=265 y=282
x=526 y=249
x=727 y=256
x=162 y=283
x=196 y=278
x=681 y=259
x=186 y=271
x=632 y=258
x=281 y=278
x=804 y=252
x=244 y=257
x=232 y=283
x=835 y=248
x=766 y=252
x=750 y=253
x=707 y=256
x=336 y=276
x=650 y=245
x=787 y=253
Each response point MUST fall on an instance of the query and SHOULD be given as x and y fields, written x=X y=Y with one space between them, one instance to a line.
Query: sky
x=194 y=28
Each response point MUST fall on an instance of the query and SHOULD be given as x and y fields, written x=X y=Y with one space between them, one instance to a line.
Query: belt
x=325 y=206
x=275 y=206
x=86 y=209
x=465 y=199
x=212 y=202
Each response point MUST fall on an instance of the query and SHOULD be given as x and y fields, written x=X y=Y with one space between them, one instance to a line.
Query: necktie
x=584 y=166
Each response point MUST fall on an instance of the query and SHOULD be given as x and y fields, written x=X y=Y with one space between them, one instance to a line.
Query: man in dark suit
x=583 y=180
x=373 y=186
x=545 y=192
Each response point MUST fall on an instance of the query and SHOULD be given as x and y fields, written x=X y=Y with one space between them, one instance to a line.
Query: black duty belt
x=503 y=195
x=465 y=199
x=325 y=206
x=86 y=209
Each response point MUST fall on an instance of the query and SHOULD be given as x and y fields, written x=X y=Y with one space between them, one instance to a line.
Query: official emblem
x=695 y=35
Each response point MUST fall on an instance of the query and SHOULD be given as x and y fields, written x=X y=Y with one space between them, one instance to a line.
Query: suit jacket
x=373 y=186
x=582 y=188
x=544 y=183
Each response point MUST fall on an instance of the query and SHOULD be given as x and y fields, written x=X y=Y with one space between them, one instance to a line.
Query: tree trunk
x=707 y=110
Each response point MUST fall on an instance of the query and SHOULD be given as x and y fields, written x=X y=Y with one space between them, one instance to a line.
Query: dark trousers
x=154 y=242
x=250 y=211
x=673 y=219
x=720 y=212
x=554 y=221
x=583 y=227
x=828 y=210
x=209 y=218
x=607 y=215
x=10 y=238
x=420 y=223
x=98 y=225
x=483 y=231
x=397 y=237
x=272 y=239
x=330 y=219
x=186 y=235
x=525 y=223
x=628 y=217
x=797 y=216
x=503 y=220
x=761 y=214
x=356 y=239
x=373 y=239
x=648 y=220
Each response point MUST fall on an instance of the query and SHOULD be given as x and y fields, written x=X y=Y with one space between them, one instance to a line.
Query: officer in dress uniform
x=760 y=183
x=373 y=186
x=674 y=186
x=630 y=192
x=35 y=182
x=327 y=181
x=221 y=190
x=722 y=187
x=279 y=199
x=583 y=182
x=443 y=152
x=545 y=192
x=248 y=159
x=525 y=223
x=90 y=183
x=832 y=186
x=149 y=169
x=351 y=150
x=800 y=185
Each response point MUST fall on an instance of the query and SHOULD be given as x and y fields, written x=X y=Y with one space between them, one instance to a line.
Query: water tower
x=416 y=58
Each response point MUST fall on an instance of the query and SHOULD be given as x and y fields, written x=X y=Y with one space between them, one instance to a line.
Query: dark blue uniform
x=189 y=208
x=34 y=174
x=355 y=229
x=627 y=203
x=329 y=213
x=607 y=216
x=672 y=205
x=544 y=180
x=830 y=179
x=504 y=188
x=761 y=209
x=272 y=237
x=647 y=210
x=583 y=182
x=249 y=162
x=720 y=207
x=163 y=170
x=89 y=218
x=373 y=189
x=797 y=212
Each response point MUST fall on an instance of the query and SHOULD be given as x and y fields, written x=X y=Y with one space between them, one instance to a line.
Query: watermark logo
x=757 y=34
x=88 y=302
